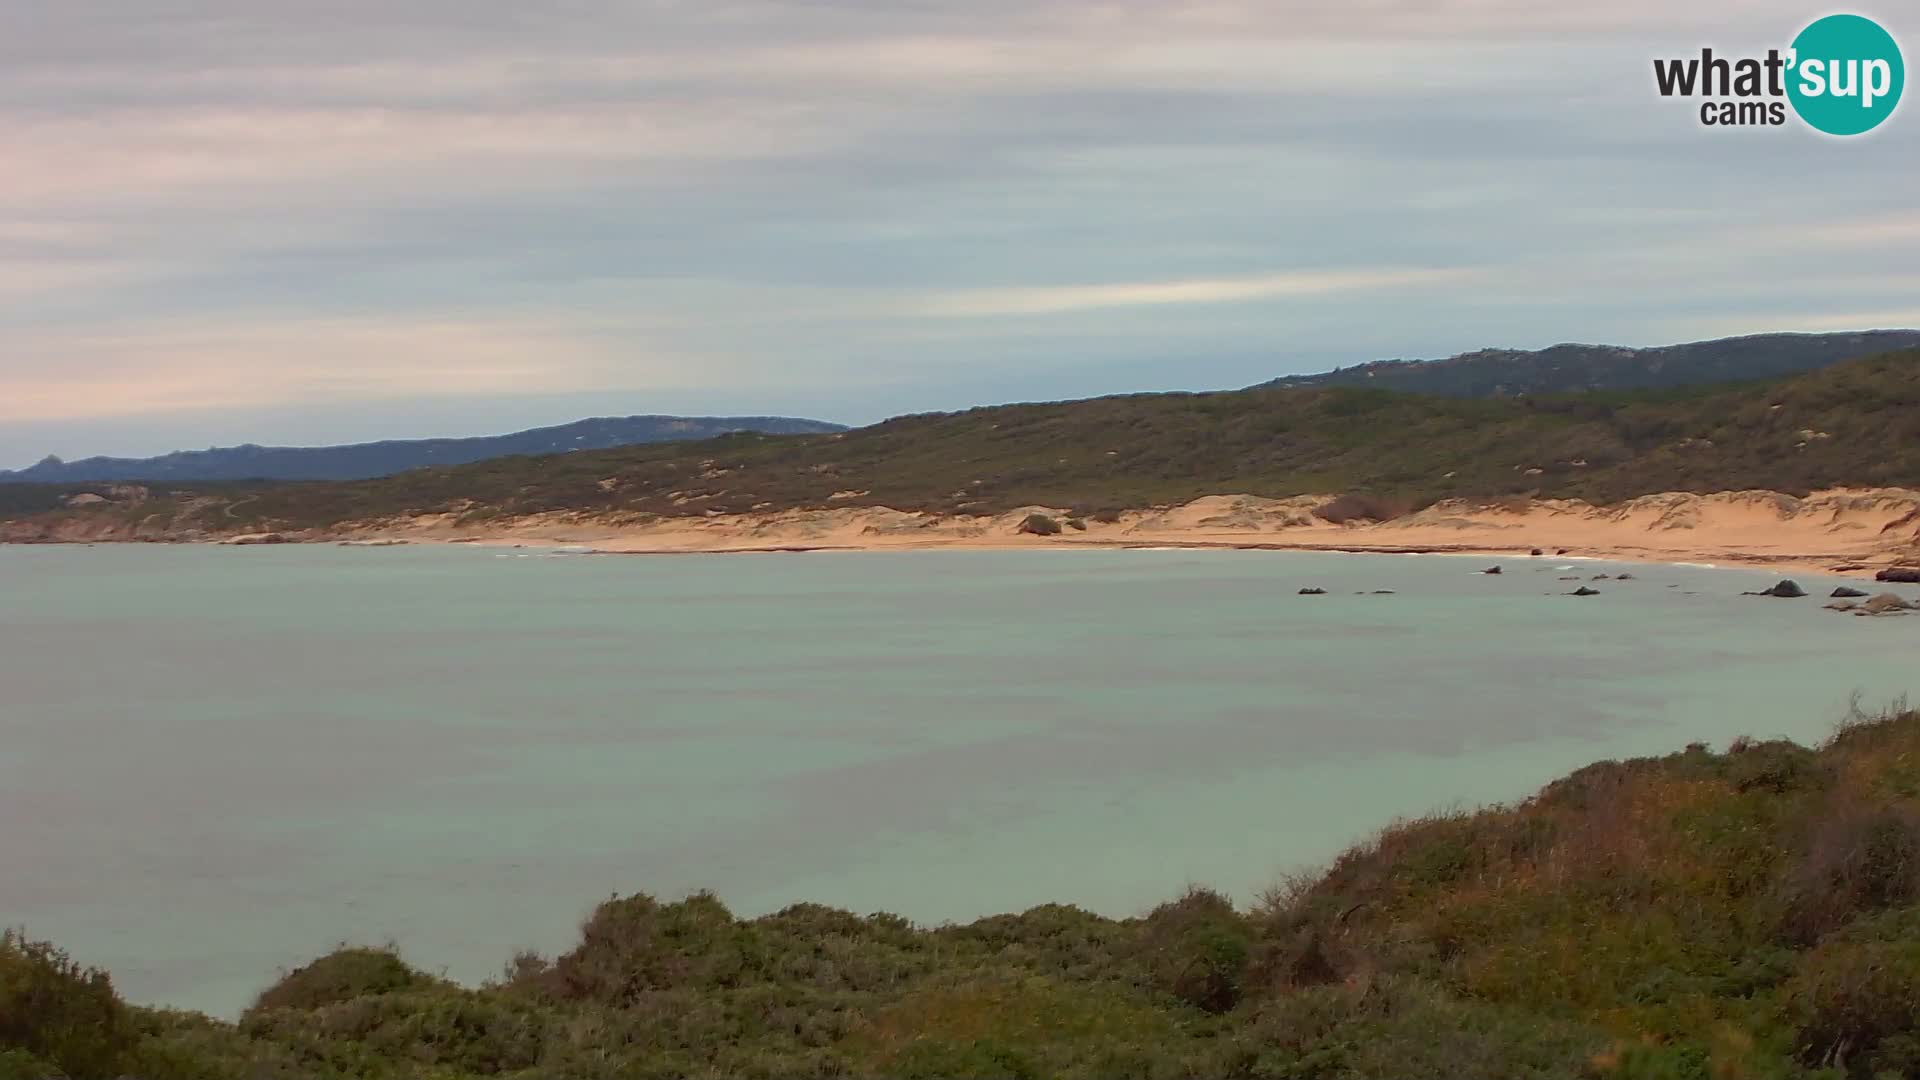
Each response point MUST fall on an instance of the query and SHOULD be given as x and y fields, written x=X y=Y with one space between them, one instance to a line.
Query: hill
x=1570 y=368
x=1854 y=424
x=363 y=460
x=1747 y=914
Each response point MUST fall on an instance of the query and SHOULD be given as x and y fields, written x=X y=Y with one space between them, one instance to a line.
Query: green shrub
x=1039 y=525
x=1859 y=857
x=1855 y=1000
x=56 y=1013
x=636 y=944
x=20 y=1065
x=1198 y=948
x=341 y=975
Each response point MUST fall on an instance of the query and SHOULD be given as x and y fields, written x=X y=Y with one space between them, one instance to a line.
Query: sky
x=273 y=221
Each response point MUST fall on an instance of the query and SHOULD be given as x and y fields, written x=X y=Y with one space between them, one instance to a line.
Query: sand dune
x=1868 y=528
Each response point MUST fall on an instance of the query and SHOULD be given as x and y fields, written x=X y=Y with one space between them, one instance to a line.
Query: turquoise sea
x=216 y=763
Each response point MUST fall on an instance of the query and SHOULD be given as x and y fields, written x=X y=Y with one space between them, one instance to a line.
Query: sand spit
x=1847 y=531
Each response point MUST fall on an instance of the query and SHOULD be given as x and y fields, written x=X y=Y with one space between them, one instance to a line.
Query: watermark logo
x=1842 y=75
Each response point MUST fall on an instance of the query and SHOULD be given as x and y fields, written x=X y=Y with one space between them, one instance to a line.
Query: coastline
x=1843 y=532
x=1849 y=532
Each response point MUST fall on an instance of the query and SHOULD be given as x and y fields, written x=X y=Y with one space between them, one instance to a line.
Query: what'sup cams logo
x=1842 y=75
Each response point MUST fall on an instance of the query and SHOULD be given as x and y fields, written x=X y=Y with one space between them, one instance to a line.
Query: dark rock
x=1313 y=592
x=1559 y=551
x=1846 y=592
x=1383 y=592
x=1536 y=551
x=1624 y=577
x=1491 y=570
x=1584 y=591
x=1788 y=589
x=1905 y=574
x=1599 y=577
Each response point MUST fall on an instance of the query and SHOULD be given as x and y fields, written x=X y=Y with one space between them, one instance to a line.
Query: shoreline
x=1726 y=561
x=1850 y=533
x=1842 y=532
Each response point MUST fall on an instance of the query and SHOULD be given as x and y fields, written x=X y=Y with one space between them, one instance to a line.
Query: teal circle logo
x=1846 y=75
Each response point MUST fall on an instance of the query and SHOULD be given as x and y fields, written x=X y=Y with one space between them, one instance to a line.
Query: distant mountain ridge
x=363 y=461
x=1570 y=368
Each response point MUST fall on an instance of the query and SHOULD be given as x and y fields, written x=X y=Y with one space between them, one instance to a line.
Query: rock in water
x=1885 y=604
x=1624 y=577
x=1491 y=570
x=1787 y=590
x=1846 y=593
x=1584 y=591
x=1908 y=575
x=1842 y=605
x=1310 y=591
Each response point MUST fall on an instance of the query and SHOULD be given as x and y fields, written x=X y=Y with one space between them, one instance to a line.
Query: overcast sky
x=293 y=222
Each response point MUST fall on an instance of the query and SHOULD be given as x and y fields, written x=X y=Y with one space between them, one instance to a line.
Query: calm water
x=217 y=762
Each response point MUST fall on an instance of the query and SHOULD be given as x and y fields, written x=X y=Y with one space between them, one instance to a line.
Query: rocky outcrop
x=1905 y=574
x=1787 y=589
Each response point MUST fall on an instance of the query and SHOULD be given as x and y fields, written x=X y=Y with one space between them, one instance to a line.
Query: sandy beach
x=1839 y=531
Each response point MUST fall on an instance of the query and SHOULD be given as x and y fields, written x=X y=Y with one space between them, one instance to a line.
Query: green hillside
x=1744 y=915
x=1853 y=424
x=1569 y=368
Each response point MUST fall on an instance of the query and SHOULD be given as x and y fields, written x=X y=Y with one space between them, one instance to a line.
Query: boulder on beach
x=1845 y=593
x=1584 y=591
x=1536 y=551
x=1787 y=589
x=1908 y=575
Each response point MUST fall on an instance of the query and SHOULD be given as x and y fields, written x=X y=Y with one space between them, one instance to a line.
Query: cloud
x=1062 y=299
x=230 y=207
x=185 y=365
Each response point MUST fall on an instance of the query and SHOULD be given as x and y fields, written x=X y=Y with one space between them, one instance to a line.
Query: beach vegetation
x=1747 y=913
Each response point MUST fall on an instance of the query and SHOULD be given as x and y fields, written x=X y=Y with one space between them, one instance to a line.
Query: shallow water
x=219 y=762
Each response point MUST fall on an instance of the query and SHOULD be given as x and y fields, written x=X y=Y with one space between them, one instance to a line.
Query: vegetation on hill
x=1570 y=368
x=362 y=460
x=1855 y=424
x=1747 y=914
